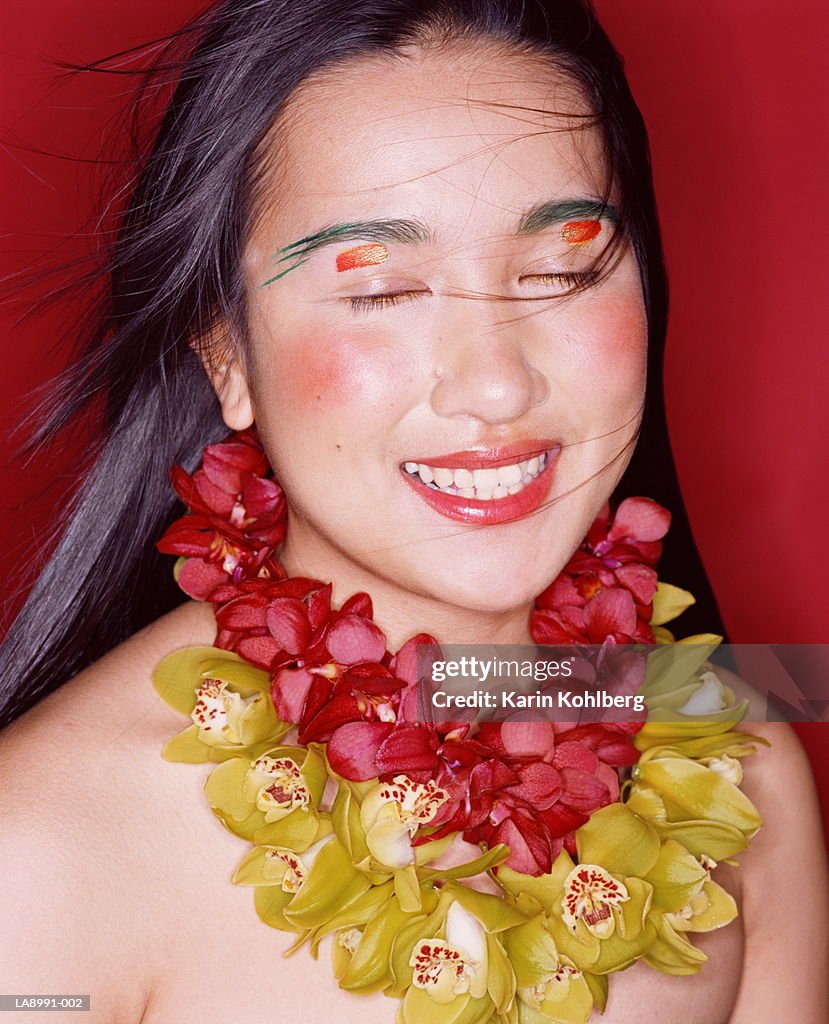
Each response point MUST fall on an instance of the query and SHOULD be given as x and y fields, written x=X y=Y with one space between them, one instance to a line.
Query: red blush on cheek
x=318 y=375
x=362 y=256
x=333 y=370
x=579 y=232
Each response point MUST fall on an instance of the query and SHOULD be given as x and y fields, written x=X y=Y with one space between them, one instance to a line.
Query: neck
x=399 y=612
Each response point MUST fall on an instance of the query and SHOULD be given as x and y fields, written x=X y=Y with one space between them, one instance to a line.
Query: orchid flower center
x=417 y=802
x=238 y=515
x=218 y=710
x=439 y=966
x=285 y=867
x=555 y=987
x=280 y=784
x=349 y=939
x=227 y=554
x=590 y=894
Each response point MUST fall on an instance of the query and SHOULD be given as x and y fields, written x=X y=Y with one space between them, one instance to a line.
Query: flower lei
x=486 y=873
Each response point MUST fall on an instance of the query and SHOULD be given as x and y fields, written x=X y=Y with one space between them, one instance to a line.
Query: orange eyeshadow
x=577 y=232
x=362 y=256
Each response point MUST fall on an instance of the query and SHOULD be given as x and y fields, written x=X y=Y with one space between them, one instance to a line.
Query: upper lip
x=489 y=456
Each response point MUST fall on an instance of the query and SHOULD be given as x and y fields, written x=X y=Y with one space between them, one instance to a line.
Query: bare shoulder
x=84 y=798
x=114 y=693
x=785 y=887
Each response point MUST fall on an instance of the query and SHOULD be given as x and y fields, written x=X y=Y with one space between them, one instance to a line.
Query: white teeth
x=485 y=479
x=480 y=484
x=509 y=475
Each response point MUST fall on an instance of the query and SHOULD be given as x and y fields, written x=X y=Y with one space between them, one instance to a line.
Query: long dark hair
x=173 y=272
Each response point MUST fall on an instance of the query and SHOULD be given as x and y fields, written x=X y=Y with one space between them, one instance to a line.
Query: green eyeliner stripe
x=545 y=214
x=407 y=231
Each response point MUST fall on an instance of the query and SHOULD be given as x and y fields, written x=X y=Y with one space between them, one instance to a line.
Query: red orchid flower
x=237 y=518
x=608 y=617
x=270 y=622
x=334 y=669
x=537 y=787
x=617 y=558
x=353 y=746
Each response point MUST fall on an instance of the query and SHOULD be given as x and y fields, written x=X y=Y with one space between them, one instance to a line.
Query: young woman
x=416 y=247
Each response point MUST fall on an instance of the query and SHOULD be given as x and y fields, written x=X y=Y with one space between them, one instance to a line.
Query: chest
x=221 y=965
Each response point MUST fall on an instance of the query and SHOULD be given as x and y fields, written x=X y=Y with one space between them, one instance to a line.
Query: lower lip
x=494 y=510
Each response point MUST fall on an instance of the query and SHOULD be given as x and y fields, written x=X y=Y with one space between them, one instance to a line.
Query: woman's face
x=438 y=414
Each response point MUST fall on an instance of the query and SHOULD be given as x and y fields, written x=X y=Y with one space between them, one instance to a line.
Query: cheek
x=613 y=357
x=335 y=370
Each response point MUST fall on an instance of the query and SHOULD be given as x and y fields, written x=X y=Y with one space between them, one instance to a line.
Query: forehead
x=466 y=139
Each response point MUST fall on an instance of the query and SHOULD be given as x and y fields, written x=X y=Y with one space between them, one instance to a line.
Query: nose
x=487 y=377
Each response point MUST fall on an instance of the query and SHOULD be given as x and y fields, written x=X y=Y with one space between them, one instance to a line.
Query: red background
x=733 y=93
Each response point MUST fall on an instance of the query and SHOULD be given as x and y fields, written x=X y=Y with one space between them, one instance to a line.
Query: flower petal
x=640 y=519
x=410 y=748
x=619 y=840
x=198 y=579
x=353 y=639
x=287 y=620
x=352 y=749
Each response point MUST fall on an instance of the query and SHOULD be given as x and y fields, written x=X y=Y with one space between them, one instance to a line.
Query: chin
x=497 y=587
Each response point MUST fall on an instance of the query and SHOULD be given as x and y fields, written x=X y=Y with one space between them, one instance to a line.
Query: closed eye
x=365 y=303
x=572 y=279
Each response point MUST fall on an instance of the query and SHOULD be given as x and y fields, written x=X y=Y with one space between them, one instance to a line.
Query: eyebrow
x=544 y=214
x=295 y=254
x=415 y=232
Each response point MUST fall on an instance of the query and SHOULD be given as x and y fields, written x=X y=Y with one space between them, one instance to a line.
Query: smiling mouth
x=486 y=484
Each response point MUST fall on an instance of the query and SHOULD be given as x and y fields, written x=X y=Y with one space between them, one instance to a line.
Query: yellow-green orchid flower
x=274 y=799
x=451 y=964
x=681 y=687
x=362 y=958
x=392 y=812
x=278 y=875
x=227 y=699
x=689 y=791
x=549 y=987
x=712 y=907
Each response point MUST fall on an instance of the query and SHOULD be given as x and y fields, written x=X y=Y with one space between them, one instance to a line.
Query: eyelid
x=575 y=277
x=378 y=300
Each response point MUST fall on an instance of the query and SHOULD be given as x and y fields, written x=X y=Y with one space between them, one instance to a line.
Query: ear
x=224 y=366
x=231 y=386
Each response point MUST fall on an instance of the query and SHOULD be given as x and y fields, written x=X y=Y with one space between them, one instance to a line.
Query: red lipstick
x=458 y=500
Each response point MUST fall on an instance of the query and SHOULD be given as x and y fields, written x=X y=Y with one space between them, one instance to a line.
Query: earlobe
x=226 y=373
x=224 y=365
x=231 y=386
